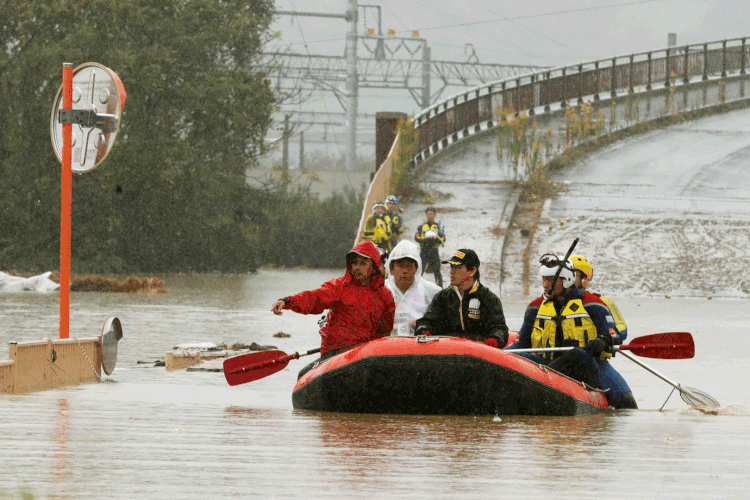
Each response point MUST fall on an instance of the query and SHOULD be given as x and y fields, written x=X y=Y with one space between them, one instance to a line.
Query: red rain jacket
x=357 y=313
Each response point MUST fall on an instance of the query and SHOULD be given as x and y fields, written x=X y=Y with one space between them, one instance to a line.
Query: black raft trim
x=434 y=385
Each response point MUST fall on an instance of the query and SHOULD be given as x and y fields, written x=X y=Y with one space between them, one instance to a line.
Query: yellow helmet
x=582 y=264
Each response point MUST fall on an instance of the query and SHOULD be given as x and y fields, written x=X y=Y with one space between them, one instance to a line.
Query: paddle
x=671 y=345
x=560 y=267
x=257 y=365
x=690 y=395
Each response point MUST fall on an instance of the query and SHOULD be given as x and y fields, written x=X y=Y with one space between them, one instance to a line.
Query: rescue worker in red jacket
x=360 y=307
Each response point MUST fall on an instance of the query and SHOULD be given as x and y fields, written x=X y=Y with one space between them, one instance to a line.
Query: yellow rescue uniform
x=577 y=327
x=620 y=324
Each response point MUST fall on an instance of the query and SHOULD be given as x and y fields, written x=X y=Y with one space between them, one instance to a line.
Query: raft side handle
x=423 y=339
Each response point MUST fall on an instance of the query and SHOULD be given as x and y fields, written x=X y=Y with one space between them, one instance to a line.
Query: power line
x=536 y=32
x=530 y=16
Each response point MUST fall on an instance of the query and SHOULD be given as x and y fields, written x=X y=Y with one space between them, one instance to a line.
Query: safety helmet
x=391 y=199
x=550 y=263
x=376 y=205
x=583 y=265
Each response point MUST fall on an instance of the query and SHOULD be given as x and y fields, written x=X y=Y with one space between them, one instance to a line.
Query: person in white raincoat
x=411 y=293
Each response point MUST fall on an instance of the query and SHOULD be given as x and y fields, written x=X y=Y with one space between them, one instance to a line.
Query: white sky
x=529 y=32
x=544 y=32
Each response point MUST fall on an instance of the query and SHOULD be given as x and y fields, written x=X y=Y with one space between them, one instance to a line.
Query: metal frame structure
x=476 y=110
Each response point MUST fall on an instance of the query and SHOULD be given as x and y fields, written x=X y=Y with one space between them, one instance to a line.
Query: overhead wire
x=325 y=104
x=506 y=19
x=487 y=34
x=542 y=35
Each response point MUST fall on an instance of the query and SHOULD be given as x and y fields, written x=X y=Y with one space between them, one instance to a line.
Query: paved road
x=471 y=194
x=662 y=214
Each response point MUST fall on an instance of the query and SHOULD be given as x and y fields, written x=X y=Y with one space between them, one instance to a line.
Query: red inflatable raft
x=440 y=376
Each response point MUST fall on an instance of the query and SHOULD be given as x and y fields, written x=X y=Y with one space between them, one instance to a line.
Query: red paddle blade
x=254 y=366
x=671 y=345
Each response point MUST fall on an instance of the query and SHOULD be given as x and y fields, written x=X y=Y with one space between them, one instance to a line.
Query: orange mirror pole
x=66 y=205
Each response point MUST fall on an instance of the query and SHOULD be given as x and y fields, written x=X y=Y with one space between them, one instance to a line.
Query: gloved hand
x=492 y=342
x=599 y=345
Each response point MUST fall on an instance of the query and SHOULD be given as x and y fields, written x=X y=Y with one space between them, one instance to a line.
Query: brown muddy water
x=149 y=434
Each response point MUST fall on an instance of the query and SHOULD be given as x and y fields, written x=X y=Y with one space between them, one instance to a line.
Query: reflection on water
x=151 y=434
x=60 y=462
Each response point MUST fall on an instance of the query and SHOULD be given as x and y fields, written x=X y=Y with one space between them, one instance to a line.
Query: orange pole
x=66 y=205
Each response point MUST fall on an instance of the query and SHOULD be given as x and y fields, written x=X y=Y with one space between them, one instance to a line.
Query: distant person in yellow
x=394 y=220
x=377 y=228
x=430 y=235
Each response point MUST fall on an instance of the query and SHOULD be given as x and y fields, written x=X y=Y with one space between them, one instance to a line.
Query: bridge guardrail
x=468 y=113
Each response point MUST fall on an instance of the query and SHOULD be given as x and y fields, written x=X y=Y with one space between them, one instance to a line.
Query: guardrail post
x=613 y=92
x=724 y=59
x=547 y=108
x=648 y=84
x=564 y=103
x=630 y=73
x=533 y=103
x=580 y=84
x=667 y=83
x=518 y=96
x=596 y=81
x=705 y=62
x=686 y=75
x=504 y=93
x=742 y=59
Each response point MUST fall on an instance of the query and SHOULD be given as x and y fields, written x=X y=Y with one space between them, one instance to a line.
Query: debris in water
x=281 y=335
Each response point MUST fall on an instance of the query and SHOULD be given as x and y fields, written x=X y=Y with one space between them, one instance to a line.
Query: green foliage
x=297 y=229
x=171 y=195
x=404 y=178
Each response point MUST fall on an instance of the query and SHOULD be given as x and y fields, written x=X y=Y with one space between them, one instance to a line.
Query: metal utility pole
x=285 y=145
x=351 y=85
x=302 y=150
x=351 y=74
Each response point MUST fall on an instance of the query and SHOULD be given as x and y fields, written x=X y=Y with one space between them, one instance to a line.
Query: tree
x=171 y=195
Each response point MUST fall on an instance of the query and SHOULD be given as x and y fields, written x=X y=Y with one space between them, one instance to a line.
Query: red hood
x=368 y=249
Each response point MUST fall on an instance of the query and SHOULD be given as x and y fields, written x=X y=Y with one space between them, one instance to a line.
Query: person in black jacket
x=467 y=309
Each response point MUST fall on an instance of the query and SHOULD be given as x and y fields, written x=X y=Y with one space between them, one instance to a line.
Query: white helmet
x=430 y=234
x=391 y=199
x=550 y=263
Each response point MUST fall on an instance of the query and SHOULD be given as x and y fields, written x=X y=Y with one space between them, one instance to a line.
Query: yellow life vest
x=436 y=242
x=616 y=315
x=377 y=230
x=394 y=222
x=577 y=326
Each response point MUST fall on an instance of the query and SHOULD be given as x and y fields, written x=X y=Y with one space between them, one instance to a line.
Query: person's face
x=361 y=268
x=379 y=210
x=391 y=206
x=460 y=274
x=403 y=272
x=430 y=216
x=579 y=278
x=547 y=281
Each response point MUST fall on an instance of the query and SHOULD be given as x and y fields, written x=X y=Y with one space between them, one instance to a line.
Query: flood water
x=150 y=434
